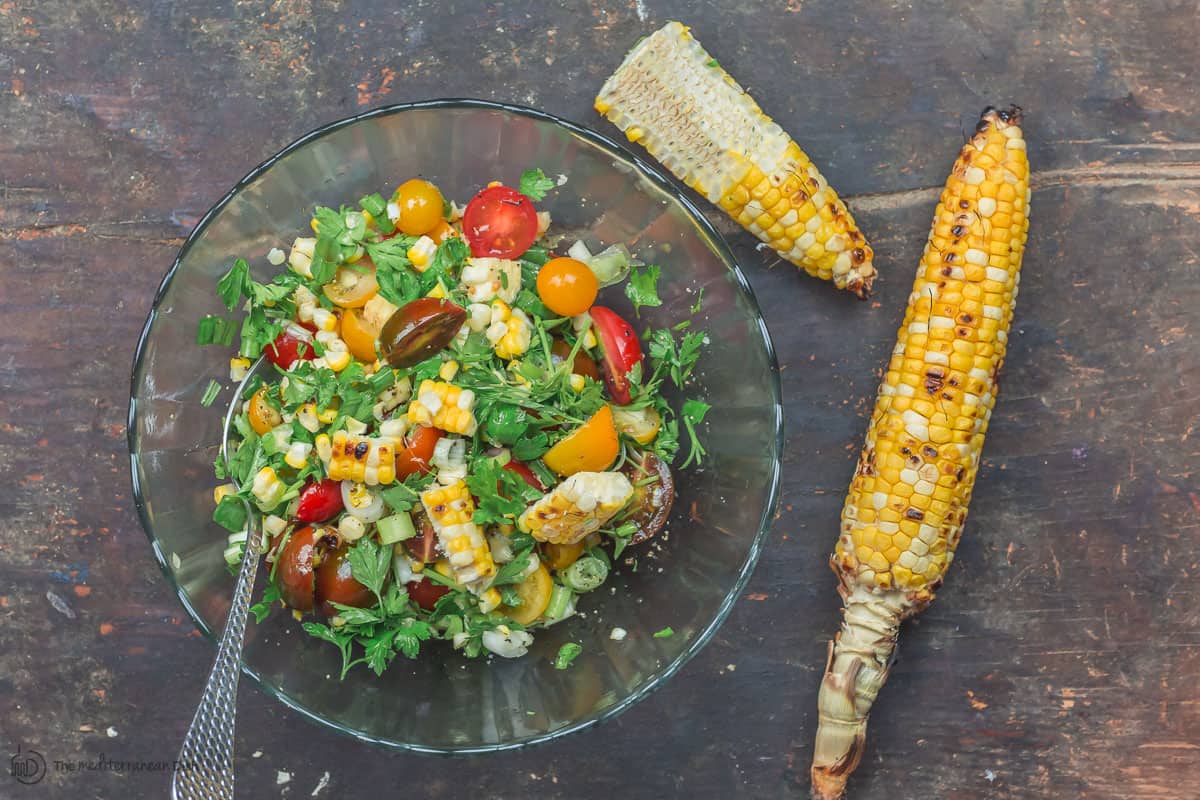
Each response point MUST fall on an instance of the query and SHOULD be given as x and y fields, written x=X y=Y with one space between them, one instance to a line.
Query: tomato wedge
x=414 y=457
x=423 y=546
x=426 y=593
x=335 y=583
x=651 y=504
x=353 y=285
x=295 y=565
x=522 y=469
x=419 y=330
x=622 y=351
x=319 y=501
x=499 y=222
x=584 y=364
x=291 y=345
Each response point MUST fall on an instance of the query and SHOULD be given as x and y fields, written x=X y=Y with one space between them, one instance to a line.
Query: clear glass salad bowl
x=687 y=580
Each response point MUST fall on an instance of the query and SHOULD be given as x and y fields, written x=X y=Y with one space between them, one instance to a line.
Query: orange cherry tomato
x=263 y=417
x=414 y=457
x=421 y=206
x=353 y=285
x=359 y=335
x=591 y=447
x=534 y=592
x=567 y=286
x=442 y=231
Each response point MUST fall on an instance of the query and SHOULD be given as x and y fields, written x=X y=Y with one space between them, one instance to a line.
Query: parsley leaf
x=369 y=563
x=262 y=608
x=376 y=206
x=566 y=654
x=403 y=496
x=232 y=283
x=230 y=513
x=513 y=571
x=665 y=633
x=642 y=289
x=502 y=493
x=534 y=184
x=694 y=412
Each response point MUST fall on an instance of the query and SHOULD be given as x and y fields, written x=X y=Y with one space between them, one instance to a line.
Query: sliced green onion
x=585 y=574
x=210 y=393
x=396 y=528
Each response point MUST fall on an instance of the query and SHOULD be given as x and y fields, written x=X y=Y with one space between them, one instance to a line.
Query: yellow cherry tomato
x=534 y=592
x=567 y=286
x=560 y=556
x=263 y=417
x=353 y=285
x=359 y=335
x=592 y=447
x=641 y=425
x=421 y=207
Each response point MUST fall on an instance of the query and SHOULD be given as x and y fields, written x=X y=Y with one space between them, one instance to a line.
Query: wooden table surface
x=1062 y=658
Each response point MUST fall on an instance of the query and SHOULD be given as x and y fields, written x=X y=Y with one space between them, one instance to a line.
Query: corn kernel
x=577 y=381
x=222 y=491
x=448 y=370
x=421 y=253
x=239 y=368
x=438 y=291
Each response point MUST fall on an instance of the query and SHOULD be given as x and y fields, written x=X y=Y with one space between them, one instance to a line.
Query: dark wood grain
x=1062 y=659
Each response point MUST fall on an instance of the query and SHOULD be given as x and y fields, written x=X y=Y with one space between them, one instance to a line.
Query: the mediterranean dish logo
x=27 y=766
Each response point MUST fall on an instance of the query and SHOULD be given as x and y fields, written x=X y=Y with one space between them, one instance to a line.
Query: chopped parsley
x=642 y=289
x=665 y=633
x=534 y=184
x=566 y=654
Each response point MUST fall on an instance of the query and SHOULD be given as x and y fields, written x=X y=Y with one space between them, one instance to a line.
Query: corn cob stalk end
x=908 y=500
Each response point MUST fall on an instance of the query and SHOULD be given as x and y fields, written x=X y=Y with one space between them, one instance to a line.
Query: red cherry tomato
x=336 y=584
x=426 y=593
x=499 y=222
x=622 y=351
x=522 y=469
x=414 y=457
x=320 y=501
x=286 y=349
x=294 y=566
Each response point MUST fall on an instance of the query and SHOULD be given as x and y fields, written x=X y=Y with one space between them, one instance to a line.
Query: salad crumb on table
x=450 y=439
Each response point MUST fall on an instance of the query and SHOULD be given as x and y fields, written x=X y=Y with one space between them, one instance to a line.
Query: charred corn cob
x=443 y=405
x=576 y=507
x=362 y=458
x=671 y=96
x=908 y=500
x=451 y=509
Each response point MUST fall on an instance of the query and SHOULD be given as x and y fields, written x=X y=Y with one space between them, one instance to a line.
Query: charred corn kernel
x=670 y=95
x=438 y=291
x=577 y=381
x=486 y=279
x=337 y=360
x=297 y=454
x=489 y=600
x=300 y=258
x=908 y=499
x=306 y=415
x=576 y=507
x=364 y=459
x=239 y=368
x=510 y=332
x=273 y=525
x=448 y=370
x=421 y=253
x=445 y=406
x=451 y=511
x=324 y=447
x=267 y=489
x=351 y=528
x=222 y=491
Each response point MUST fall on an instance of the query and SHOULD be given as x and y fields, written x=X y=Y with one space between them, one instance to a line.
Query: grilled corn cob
x=576 y=507
x=444 y=405
x=362 y=458
x=671 y=96
x=451 y=510
x=908 y=500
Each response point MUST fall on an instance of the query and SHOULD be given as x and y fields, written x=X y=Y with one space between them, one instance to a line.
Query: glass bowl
x=687 y=579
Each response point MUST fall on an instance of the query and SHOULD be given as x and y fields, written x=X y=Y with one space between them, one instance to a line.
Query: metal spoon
x=205 y=769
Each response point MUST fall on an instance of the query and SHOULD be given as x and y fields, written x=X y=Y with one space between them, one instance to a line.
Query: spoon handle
x=205 y=770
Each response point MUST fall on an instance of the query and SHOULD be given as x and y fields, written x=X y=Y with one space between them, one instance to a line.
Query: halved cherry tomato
x=419 y=330
x=263 y=416
x=358 y=335
x=522 y=469
x=591 y=447
x=567 y=286
x=426 y=593
x=584 y=364
x=651 y=503
x=291 y=345
x=534 y=592
x=295 y=565
x=415 y=456
x=641 y=425
x=421 y=206
x=499 y=222
x=319 y=501
x=335 y=583
x=353 y=285
x=622 y=351
x=442 y=231
x=423 y=546
x=560 y=556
